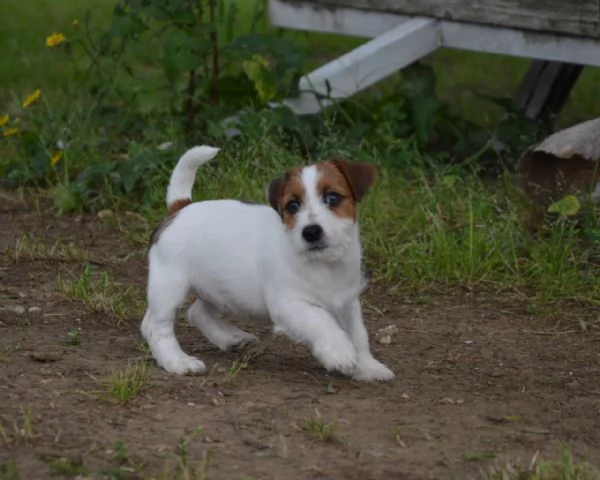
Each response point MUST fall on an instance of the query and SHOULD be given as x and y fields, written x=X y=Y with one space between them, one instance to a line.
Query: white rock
x=18 y=309
x=106 y=213
x=389 y=330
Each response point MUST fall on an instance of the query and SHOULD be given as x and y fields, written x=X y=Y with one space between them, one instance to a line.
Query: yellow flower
x=4 y=119
x=75 y=23
x=55 y=40
x=31 y=98
x=56 y=158
x=10 y=131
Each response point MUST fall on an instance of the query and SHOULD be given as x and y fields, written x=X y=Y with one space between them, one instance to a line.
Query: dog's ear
x=274 y=191
x=360 y=176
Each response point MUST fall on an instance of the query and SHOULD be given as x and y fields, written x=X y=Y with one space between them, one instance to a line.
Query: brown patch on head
x=360 y=176
x=178 y=205
x=349 y=180
x=283 y=190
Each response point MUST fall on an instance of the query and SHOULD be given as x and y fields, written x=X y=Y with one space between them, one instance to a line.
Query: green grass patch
x=125 y=384
x=565 y=468
x=100 y=293
x=318 y=428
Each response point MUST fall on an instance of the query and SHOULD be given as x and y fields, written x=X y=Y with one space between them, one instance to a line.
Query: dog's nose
x=312 y=233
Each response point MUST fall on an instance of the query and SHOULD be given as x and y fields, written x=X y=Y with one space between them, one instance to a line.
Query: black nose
x=312 y=233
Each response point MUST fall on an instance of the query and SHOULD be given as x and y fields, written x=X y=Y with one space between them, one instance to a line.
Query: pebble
x=384 y=335
x=46 y=356
x=34 y=310
x=106 y=213
x=18 y=309
x=389 y=330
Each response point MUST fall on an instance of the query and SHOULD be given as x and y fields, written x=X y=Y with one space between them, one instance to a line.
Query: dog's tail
x=179 y=192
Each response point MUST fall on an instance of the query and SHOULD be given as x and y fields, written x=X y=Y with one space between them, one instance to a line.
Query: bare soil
x=479 y=383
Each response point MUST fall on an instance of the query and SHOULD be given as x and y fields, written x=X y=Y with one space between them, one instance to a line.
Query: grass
x=234 y=370
x=9 y=470
x=32 y=247
x=18 y=430
x=69 y=467
x=565 y=468
x=183 y=468
x=318 y=428
x=123 y=385
x=100 y=293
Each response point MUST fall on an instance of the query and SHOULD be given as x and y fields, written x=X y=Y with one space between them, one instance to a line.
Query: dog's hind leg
x=167 y=290
x=206 y=318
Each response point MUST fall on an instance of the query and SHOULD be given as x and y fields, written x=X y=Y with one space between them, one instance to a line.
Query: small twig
x=62 y=260
x=551 y=332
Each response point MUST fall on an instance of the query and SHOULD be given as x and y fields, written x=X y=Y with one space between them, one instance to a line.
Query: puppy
x=297 y=261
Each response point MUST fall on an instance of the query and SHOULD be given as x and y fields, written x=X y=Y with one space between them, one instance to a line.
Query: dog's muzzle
x=313 y=235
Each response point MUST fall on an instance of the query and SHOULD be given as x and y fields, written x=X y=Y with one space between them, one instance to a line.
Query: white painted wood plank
x=366 y=65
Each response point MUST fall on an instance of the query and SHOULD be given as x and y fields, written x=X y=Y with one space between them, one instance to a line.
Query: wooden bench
x=559 y=36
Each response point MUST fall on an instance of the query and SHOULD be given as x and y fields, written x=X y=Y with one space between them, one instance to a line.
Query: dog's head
x=318 y=205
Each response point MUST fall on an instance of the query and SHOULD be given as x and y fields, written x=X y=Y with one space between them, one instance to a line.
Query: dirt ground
x=477 y=384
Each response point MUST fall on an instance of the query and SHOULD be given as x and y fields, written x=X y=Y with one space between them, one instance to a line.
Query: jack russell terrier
x=297 y=262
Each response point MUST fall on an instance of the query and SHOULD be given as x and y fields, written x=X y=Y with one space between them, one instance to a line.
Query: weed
x=29 y=246
x=234 y=370
x=182 y=468
x=566 y=468
x=5 y=350
x=67 y=466
x=318 y=428
x=18 y=430
x=479 y=456
x=125 y=464
x=125 y=384
x=99 y=292
x=9 y=470
x=73 y=338
x=120 y=453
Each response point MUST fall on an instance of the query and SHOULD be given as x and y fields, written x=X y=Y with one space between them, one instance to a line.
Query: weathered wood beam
x=575 y=17
x=546 y=87
x=366 y=65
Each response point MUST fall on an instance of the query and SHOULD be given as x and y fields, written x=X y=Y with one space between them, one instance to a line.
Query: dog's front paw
x=183 y=365
x=371 y=370
x=340 y=356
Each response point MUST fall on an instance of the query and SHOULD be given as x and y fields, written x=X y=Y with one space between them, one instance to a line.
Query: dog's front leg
x=368 y=368
x=315 y=326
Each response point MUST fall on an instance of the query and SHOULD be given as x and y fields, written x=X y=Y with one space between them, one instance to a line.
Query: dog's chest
x=334 y=288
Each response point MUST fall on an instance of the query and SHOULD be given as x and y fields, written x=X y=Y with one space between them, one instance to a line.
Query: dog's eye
x=332 y=199
x=292 y=207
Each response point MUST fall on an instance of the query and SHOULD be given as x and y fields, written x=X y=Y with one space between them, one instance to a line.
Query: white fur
x=243 y=259
x=182 y=179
